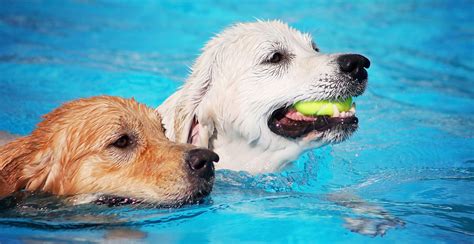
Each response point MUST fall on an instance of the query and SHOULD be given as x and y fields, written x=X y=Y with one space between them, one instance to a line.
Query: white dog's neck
x=237 y=154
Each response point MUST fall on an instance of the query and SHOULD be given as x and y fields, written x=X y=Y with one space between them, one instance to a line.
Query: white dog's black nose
x=354 y=65
x=201 y=162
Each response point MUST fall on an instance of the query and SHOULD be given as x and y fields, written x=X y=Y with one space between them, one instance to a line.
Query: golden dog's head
x=110 y=146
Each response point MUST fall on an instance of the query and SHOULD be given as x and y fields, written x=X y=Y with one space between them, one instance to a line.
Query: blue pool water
x=413 y=154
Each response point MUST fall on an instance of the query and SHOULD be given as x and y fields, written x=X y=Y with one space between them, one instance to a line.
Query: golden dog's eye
x=123 y=142
x=276 y=58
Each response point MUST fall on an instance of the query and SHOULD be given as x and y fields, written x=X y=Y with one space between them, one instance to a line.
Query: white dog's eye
x=276 y=58
x=315 y=48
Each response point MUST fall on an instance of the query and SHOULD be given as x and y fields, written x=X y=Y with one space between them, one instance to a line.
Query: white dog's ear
x=186 y=117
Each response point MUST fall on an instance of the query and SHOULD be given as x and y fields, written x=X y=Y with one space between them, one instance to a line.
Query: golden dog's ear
x=29 y=164
x=13 y=158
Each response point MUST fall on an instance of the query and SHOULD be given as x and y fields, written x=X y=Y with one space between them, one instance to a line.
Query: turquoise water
x=413 y=154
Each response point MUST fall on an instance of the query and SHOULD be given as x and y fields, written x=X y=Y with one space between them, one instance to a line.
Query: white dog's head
x=246 y=81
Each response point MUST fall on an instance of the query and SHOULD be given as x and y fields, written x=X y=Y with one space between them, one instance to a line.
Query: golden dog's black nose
x=201 y=161
x=354 y=65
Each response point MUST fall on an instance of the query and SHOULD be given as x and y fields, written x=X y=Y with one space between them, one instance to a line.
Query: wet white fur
x=232 y=92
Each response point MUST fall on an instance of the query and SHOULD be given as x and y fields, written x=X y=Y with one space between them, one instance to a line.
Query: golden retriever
x=109 y=146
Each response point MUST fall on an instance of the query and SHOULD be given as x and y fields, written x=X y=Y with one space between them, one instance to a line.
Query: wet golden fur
x=72 y=152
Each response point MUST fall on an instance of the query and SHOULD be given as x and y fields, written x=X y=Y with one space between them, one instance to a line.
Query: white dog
x=238 y=99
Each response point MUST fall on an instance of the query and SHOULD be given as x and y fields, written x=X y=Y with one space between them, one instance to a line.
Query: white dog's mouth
x=287 y=122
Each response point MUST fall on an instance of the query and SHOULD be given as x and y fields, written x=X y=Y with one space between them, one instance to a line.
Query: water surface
x=413 y=154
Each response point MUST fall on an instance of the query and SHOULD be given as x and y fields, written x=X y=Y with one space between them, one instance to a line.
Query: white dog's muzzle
x=352 y=79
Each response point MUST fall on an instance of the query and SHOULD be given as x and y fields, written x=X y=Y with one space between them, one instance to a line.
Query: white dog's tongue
x=297 y=116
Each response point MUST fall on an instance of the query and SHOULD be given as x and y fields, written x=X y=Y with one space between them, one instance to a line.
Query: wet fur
x=233 y=89
x=70 y=153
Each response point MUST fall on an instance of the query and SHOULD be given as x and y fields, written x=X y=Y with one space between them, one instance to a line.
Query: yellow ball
x=322 y=107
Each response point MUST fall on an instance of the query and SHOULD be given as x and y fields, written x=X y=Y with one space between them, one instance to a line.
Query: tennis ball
x=322 y=107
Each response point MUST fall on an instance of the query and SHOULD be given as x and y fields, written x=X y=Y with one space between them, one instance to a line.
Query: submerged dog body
x=238 y=99
x=110 y=146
